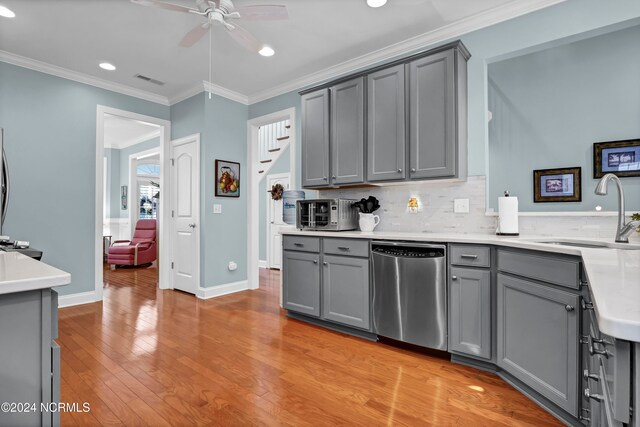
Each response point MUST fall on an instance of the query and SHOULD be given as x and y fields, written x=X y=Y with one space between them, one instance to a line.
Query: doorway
x=254 y=195
x=116 y=197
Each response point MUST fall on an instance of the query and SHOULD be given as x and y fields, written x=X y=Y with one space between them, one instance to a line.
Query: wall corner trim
x=262 y=263
x=225 y=289
x=77 y=299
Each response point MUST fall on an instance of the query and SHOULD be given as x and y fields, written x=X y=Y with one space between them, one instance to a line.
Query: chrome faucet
x=624 y=230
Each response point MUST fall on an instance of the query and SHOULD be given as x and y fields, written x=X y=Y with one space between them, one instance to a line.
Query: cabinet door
x=301 y=282
x=538 y=338
x=432 y=116
x=347 y=132
x=386 y=125
x=315 y=139
x=345 y=290
x=470 y=312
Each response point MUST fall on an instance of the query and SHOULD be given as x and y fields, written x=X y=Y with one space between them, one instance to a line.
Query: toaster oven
x=326 y=214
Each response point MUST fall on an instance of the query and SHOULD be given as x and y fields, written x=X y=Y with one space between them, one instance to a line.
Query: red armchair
x=141 y=249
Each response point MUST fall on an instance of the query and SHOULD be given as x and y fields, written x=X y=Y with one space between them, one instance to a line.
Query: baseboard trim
x=77 y=299
x=262 y=263
x=226 y=289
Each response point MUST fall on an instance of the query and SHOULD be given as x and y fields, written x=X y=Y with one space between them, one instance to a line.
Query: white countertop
x=613 y=274
x=19 y=273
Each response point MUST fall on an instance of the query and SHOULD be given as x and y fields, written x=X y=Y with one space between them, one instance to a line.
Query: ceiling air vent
x=149 y=79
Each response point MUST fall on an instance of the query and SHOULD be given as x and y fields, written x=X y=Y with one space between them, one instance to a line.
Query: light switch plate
x=461 y=205
x=217 y=208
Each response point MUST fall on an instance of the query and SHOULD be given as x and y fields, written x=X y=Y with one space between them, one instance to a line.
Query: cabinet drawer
x=352 y=247
x=548 y=268
x=476 y=256
x=302 y=243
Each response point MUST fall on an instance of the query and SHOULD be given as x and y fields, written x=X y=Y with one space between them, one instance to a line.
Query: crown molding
x=54 y=70
x=226 y=93
x=442 y=34
x=133 y=141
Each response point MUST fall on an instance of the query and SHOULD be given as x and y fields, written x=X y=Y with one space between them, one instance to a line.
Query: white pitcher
x=368 y=221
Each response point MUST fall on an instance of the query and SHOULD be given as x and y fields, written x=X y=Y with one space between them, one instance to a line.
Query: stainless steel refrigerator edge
x=410 y=292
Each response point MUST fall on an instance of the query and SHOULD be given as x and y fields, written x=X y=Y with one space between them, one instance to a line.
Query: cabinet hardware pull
x=413 y=170
x=469 y=256
x=584 y=339
x=583 y=418
x=584 y=283
x=399 y=170
x=454 y=277
x=569 y=307
x=586 y=305
x=298 y=244
x=344 y=248
x=333 y=177
x=587 y=376
x=324 y=178
x=324 y=263
x=596 y=397
x=593 y=350
x=315 y=261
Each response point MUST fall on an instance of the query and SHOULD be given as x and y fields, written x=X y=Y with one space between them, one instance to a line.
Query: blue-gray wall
x=282 y=165
x=50 y=140
x=550 y=107
x=113 y=182
x=222 y=125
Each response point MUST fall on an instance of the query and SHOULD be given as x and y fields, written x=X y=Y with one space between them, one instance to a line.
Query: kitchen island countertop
x=19 y=273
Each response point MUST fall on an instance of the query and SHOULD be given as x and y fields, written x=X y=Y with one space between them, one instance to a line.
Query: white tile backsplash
x=436 y=211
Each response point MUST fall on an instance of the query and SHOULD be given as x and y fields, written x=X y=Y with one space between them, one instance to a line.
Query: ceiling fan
x=221 y=12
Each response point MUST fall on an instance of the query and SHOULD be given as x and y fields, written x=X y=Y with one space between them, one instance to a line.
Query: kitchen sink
x=596 y=245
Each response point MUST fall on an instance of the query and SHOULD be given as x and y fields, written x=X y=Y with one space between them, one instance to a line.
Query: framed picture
x=621 y=158
x=557 y=185
x=123 y=197
x=227 y=179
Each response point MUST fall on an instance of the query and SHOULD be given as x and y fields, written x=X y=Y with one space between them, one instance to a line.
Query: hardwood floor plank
x=146 y=356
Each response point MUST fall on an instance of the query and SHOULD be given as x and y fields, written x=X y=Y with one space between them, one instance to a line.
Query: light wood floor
x=150 y=357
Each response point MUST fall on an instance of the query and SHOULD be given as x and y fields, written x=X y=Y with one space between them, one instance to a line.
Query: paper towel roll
x=507 y=216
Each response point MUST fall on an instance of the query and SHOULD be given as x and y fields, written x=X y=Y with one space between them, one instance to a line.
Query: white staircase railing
x=273 y=139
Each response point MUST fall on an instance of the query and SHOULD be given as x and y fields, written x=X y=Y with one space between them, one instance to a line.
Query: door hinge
x=173 y=163
x=172 y=213
x=172 y=265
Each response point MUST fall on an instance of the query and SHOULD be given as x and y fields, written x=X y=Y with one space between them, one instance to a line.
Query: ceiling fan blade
x=244 y=38
x=263 y=12
x=193 y=36
x=163 y=5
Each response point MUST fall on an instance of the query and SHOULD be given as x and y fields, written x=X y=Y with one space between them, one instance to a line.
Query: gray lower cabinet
x=301 y=282
x=30 y=358
x=386 y=124
x=432 y=118
x=345 y=290
x=315 y=139
x=347 y=132
x=470 y=312
x=538 y=338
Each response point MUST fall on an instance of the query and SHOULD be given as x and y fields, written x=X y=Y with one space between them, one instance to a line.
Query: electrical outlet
x=461 y=205
x=232 y=266
x=217 y=208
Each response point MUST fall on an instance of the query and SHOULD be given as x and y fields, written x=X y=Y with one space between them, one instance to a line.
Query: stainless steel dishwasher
x=410 y=293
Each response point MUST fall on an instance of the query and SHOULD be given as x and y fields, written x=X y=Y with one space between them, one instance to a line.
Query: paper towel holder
x=498 y=231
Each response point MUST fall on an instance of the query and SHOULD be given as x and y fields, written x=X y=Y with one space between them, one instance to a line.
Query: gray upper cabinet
x=432 y=118
x=347 y=132
x=345 y=290
x=386 y=125
x=301 y=282
x=315 y=139
x=470 y=312
x=538 y=338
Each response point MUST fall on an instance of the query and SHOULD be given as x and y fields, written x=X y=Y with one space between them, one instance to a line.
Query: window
x=148 y=190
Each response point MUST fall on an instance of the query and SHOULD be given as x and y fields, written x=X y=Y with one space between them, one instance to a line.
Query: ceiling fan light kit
x=376 y=3
x=6 y=12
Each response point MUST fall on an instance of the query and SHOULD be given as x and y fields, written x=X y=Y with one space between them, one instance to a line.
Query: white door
x=274 y=221
x=185 y=209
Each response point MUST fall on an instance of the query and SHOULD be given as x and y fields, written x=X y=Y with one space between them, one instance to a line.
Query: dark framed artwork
x=123 y=197
x=621 y=158
x=557 y=185
x=227 y=179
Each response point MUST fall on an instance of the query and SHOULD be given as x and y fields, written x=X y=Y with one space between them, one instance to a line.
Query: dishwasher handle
x=408 y=244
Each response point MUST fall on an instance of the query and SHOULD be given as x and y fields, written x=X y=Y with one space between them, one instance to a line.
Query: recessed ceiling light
x=107 y=66
x=266 y=51
x=6 y=12
x=376 y=3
